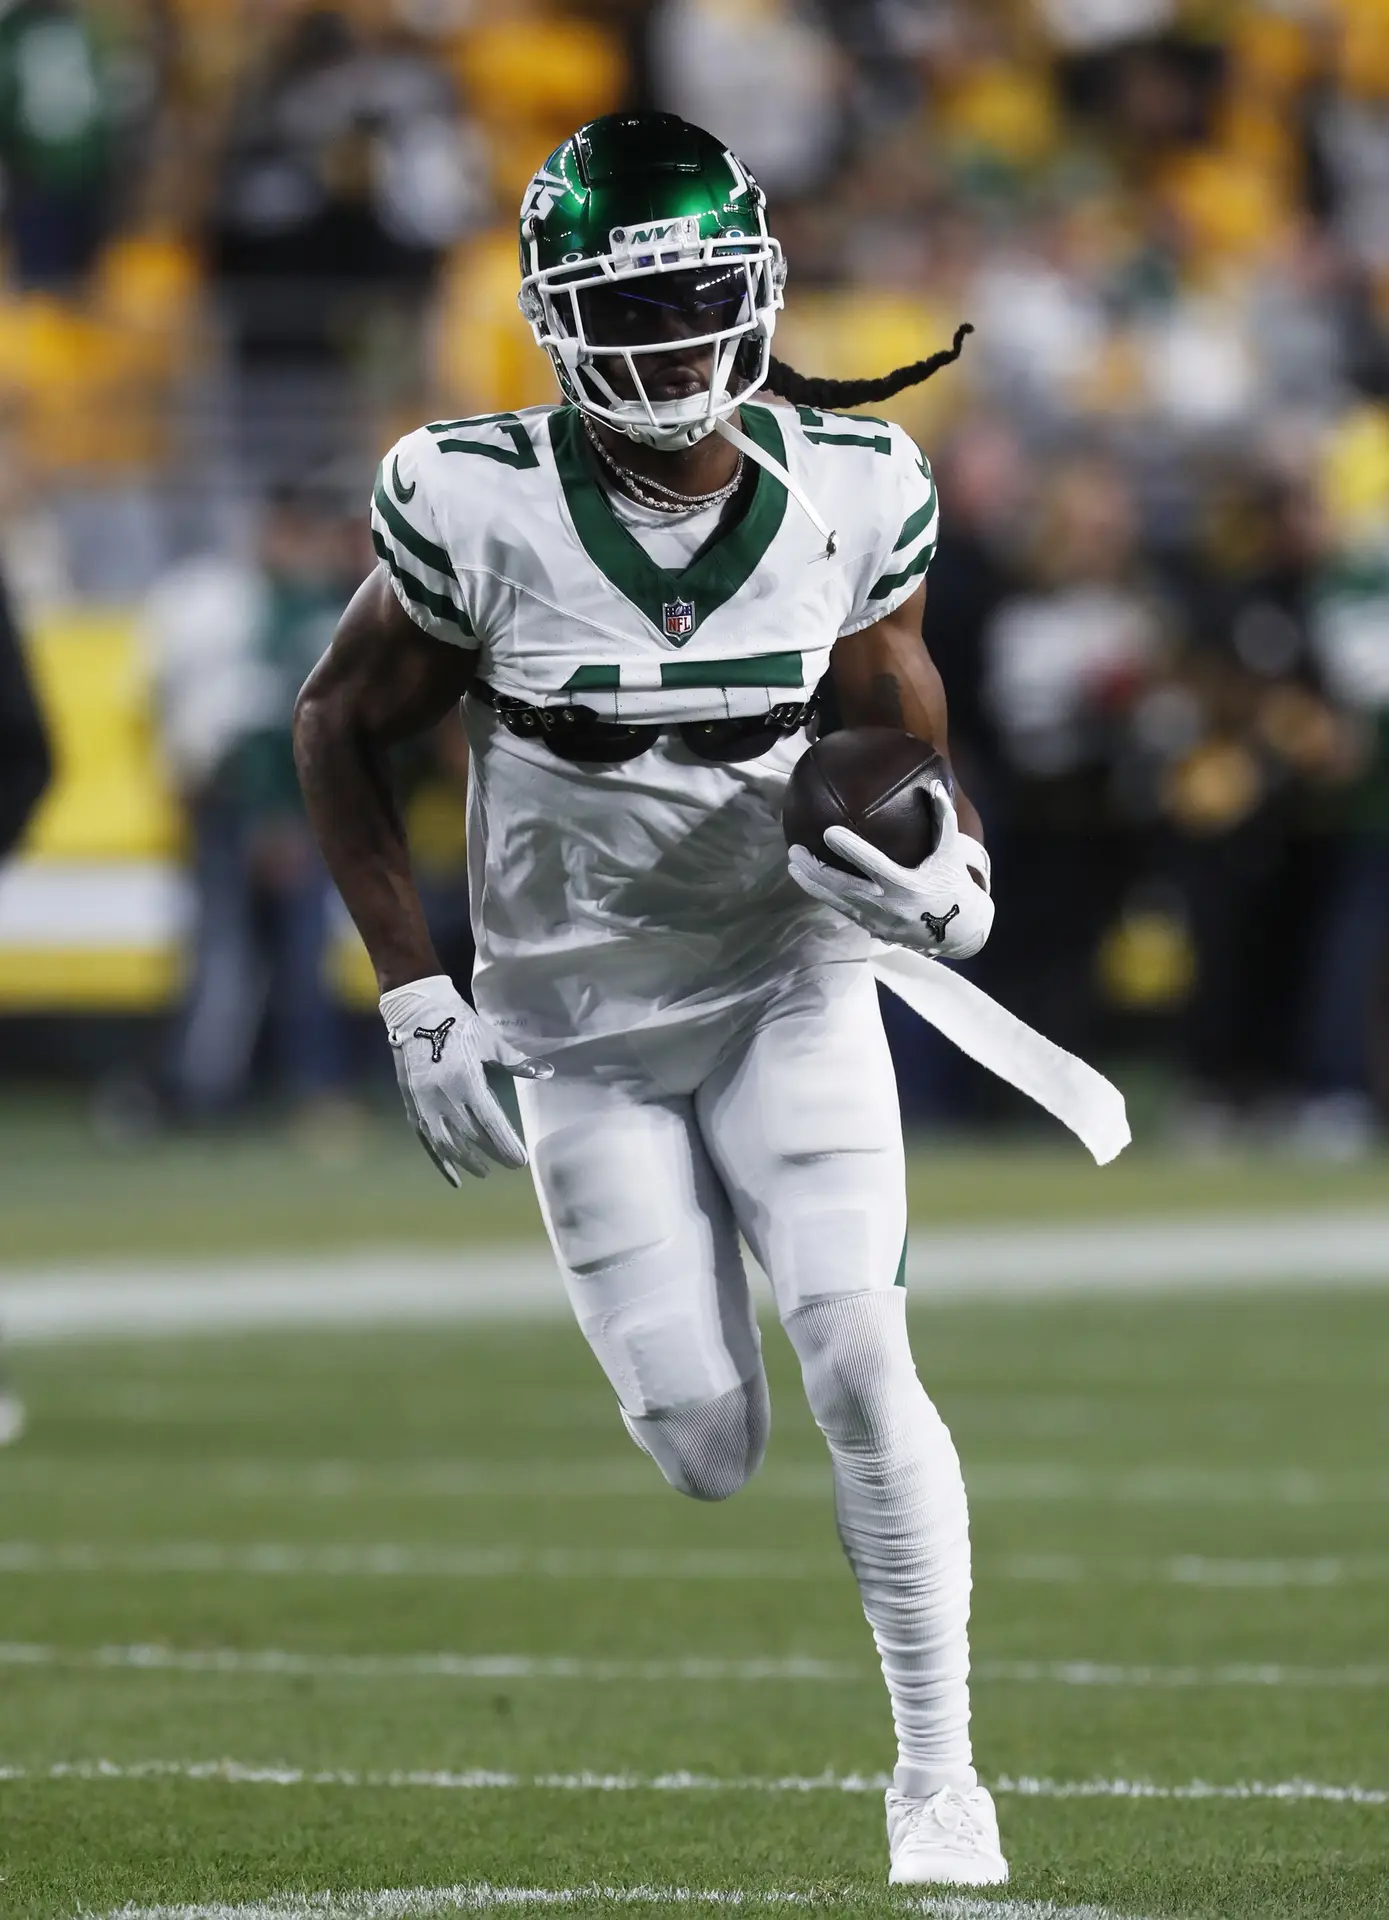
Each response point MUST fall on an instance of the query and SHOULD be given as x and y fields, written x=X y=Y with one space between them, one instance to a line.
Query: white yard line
x=1000 y=1482
x=1183 y=1570
x=414 y=1563
x=383 y=1287
x=421 y=1666
x=1092 y=1673
x=481 y=1896
x=1165 y=1255
x=279 y=1661
x=392 y=1561
x=1176 y=1486
x=487 y=1780
x=1295 y=1791
x=1039 y=1261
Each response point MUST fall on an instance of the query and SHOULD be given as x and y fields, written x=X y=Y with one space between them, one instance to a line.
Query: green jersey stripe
x=435 y=557
x=890 y=582
x=916 y=523
x=720 y=570
x=764 y=670
x=436 y=603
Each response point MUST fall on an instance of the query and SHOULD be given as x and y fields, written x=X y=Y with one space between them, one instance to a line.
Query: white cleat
x=950 y=1840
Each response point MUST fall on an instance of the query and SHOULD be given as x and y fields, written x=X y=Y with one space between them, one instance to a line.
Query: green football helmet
x=639 y=233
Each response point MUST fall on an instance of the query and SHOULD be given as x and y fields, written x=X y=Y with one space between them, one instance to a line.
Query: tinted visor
x=665 y=307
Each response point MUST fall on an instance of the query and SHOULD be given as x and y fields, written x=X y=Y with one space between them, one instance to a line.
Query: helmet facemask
x=659 y=289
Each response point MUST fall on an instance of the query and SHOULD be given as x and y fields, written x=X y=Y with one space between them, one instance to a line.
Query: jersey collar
x=724 y=566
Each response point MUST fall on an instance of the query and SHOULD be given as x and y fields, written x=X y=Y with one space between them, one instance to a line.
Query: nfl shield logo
x=678 y=619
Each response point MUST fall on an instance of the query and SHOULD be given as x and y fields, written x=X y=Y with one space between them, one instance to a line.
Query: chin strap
x=737 y=438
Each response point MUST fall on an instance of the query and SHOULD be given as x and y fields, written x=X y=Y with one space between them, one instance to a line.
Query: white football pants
x=786 y=1130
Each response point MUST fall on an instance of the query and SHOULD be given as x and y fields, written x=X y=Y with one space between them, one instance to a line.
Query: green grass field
x=66 y=1195
x=1171 y=1492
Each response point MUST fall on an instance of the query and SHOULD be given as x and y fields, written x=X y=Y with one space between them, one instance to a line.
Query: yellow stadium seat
x=1353 y=480
x=1006 y=111
x=1229 y=207
x=86 y=392
x=1272 y=50
x=1364 y=47
x=1256 y=129
x=534 y=69
x=531 y=79
x=486 y=360
x=148 y=283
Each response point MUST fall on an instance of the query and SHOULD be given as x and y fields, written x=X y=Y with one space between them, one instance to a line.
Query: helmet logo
x=655 y=235
x=542 y=193
x=678 y=619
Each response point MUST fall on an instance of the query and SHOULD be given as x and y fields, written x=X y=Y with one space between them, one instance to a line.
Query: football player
x=636 y=595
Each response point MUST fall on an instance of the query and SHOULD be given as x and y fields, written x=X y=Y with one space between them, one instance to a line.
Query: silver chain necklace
x=650 y=493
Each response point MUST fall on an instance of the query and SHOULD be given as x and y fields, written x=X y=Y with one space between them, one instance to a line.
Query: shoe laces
x=954 y=1812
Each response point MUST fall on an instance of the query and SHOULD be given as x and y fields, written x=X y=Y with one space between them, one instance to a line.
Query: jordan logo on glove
x=936 y=923
x=436 y=1036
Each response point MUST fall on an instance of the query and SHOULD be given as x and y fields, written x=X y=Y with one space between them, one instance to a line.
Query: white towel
x=1091 y=1106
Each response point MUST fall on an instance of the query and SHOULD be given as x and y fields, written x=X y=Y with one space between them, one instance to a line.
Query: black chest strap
x=578 y=733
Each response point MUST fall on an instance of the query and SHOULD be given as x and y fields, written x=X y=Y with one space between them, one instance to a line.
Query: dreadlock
x=804 y=392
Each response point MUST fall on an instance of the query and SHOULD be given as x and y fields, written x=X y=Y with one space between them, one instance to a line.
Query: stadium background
x=320 y=1504
x=247 y=245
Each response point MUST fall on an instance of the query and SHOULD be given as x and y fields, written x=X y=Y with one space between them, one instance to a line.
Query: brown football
x=873 y=780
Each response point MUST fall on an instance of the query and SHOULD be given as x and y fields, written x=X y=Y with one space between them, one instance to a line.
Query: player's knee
x=857 y=1367
x=710 y=1448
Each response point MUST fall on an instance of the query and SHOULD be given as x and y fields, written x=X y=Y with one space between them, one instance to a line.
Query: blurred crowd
x=249 y=241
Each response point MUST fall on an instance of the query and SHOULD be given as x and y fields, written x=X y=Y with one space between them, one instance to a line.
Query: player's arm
x=381 y=681
x=884 y=677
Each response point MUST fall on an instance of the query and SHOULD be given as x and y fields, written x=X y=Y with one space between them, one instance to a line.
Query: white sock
x=903 y=1519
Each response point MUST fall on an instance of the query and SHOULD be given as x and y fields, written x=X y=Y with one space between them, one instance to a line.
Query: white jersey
x=625 y=899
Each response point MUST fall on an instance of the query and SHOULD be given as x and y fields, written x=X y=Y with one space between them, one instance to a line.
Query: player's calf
x=903 y=1520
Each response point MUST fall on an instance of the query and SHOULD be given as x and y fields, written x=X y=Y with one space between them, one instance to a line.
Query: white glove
x=442 y=1051
x=936 y=908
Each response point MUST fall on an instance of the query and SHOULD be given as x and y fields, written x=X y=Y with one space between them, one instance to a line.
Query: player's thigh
x=645 y=1238
x=803 y=1125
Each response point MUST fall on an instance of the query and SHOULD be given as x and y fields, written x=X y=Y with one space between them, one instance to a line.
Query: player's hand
x=442 y=1051
x=940 y=907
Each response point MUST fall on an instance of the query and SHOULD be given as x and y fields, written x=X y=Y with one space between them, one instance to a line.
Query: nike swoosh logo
x=402 y=493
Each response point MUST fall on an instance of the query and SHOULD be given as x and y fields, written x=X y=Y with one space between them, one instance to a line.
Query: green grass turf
x=65 y=1194
x=506 y=1437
